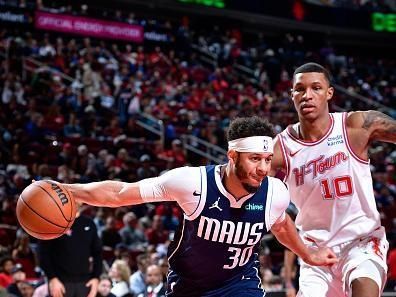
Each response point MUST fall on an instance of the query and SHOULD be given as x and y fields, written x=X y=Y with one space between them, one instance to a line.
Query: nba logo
x=265 y=145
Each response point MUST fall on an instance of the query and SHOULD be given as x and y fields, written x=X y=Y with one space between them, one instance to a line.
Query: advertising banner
x=18 y=16
x=88 y=27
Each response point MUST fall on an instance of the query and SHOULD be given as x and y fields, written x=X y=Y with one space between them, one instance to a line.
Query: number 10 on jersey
x=338 y=187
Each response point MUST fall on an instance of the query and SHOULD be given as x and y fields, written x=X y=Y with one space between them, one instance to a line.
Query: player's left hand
x=93 y=283
x=322 y=256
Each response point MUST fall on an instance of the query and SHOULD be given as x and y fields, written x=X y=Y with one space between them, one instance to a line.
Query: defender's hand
x=321 y=257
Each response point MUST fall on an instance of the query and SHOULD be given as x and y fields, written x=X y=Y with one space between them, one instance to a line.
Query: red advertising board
x=88 y=26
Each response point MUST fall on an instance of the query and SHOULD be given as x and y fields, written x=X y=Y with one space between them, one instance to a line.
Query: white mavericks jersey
x=330 y=186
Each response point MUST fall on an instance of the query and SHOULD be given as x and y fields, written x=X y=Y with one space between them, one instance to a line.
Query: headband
x=252 y=144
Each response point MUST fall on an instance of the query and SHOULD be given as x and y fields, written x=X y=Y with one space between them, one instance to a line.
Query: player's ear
x=330 y=93
x=232 y=155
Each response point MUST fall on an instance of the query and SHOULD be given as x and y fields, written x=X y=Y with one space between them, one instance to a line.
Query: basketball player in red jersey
x=325 y=159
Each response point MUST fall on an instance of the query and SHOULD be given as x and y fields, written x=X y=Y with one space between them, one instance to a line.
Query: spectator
x=155 y=285
x=6 y=266
x=66 y=260
x=26 y=289
x=18 y=276
x=73 y=128
x=104 y=287
x=157 y=234
x=119 y=274
x=137 y=281
x=146 y=170
x=110 y=235
x=175 y=156
x=163 y=263
x=131 y=235
x=23 y=254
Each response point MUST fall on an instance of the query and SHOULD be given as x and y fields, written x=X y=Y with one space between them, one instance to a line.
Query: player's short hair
x=313 y=67
x=249 y=126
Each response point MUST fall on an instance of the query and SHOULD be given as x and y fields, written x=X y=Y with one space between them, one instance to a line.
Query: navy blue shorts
x=239 y=286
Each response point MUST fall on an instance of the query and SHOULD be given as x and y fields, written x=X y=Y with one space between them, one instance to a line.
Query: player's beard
x=241 y=173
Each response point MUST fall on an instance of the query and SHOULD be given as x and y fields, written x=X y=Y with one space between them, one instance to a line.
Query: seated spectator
x=26 y=289
x=73 y=128
x=175 y=157
x=85 y=164
x=23 y=254
x=18 y=276
x=110 y=235
x=163 y=263
x=170 y=214
x=146 y=170
x=104 y=287
x=67 y=155
x=131 y=234
x=119 y=274
x=137 y=282
x=157 y=234
x=155 y=285
x=6 y=266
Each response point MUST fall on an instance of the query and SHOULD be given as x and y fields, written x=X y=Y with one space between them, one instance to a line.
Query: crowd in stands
x=86 y=129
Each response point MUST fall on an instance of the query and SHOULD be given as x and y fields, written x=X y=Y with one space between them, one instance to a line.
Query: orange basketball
x=45 y=209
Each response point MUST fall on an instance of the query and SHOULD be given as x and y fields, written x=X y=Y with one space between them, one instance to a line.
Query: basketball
x=45 y=209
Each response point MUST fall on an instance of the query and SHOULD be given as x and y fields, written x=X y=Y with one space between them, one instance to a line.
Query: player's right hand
x=291 y=292
x=56 y=287
x=322 y=256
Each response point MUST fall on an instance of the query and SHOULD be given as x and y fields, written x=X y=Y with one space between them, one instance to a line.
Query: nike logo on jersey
x=244 y=277
x=196 y=193
x=292 y=154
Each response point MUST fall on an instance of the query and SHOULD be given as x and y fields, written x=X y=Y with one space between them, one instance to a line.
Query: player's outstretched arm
x=178 y=185
x=286 y=233
x=377 y=125
x=106 y=193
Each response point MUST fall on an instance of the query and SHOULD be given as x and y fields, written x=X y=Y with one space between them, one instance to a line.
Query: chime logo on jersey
x=253 y=206
x=229 y=232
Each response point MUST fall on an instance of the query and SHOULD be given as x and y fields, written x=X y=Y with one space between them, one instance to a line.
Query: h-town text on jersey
x=318 y=166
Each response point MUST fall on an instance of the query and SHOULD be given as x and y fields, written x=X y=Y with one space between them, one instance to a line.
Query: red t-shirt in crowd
x=392 y=264
x=5 y=280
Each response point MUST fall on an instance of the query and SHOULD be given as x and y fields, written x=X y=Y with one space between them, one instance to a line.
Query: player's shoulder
x=185 y=170
x=356 y=119
x=278 y=192
x=277 y=184
x=187 y=174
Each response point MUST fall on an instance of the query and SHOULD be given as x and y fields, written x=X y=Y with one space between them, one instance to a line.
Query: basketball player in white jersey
x=227 y=209
x=325 y=159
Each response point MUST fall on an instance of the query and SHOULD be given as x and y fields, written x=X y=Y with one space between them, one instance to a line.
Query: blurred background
x=94 y=90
